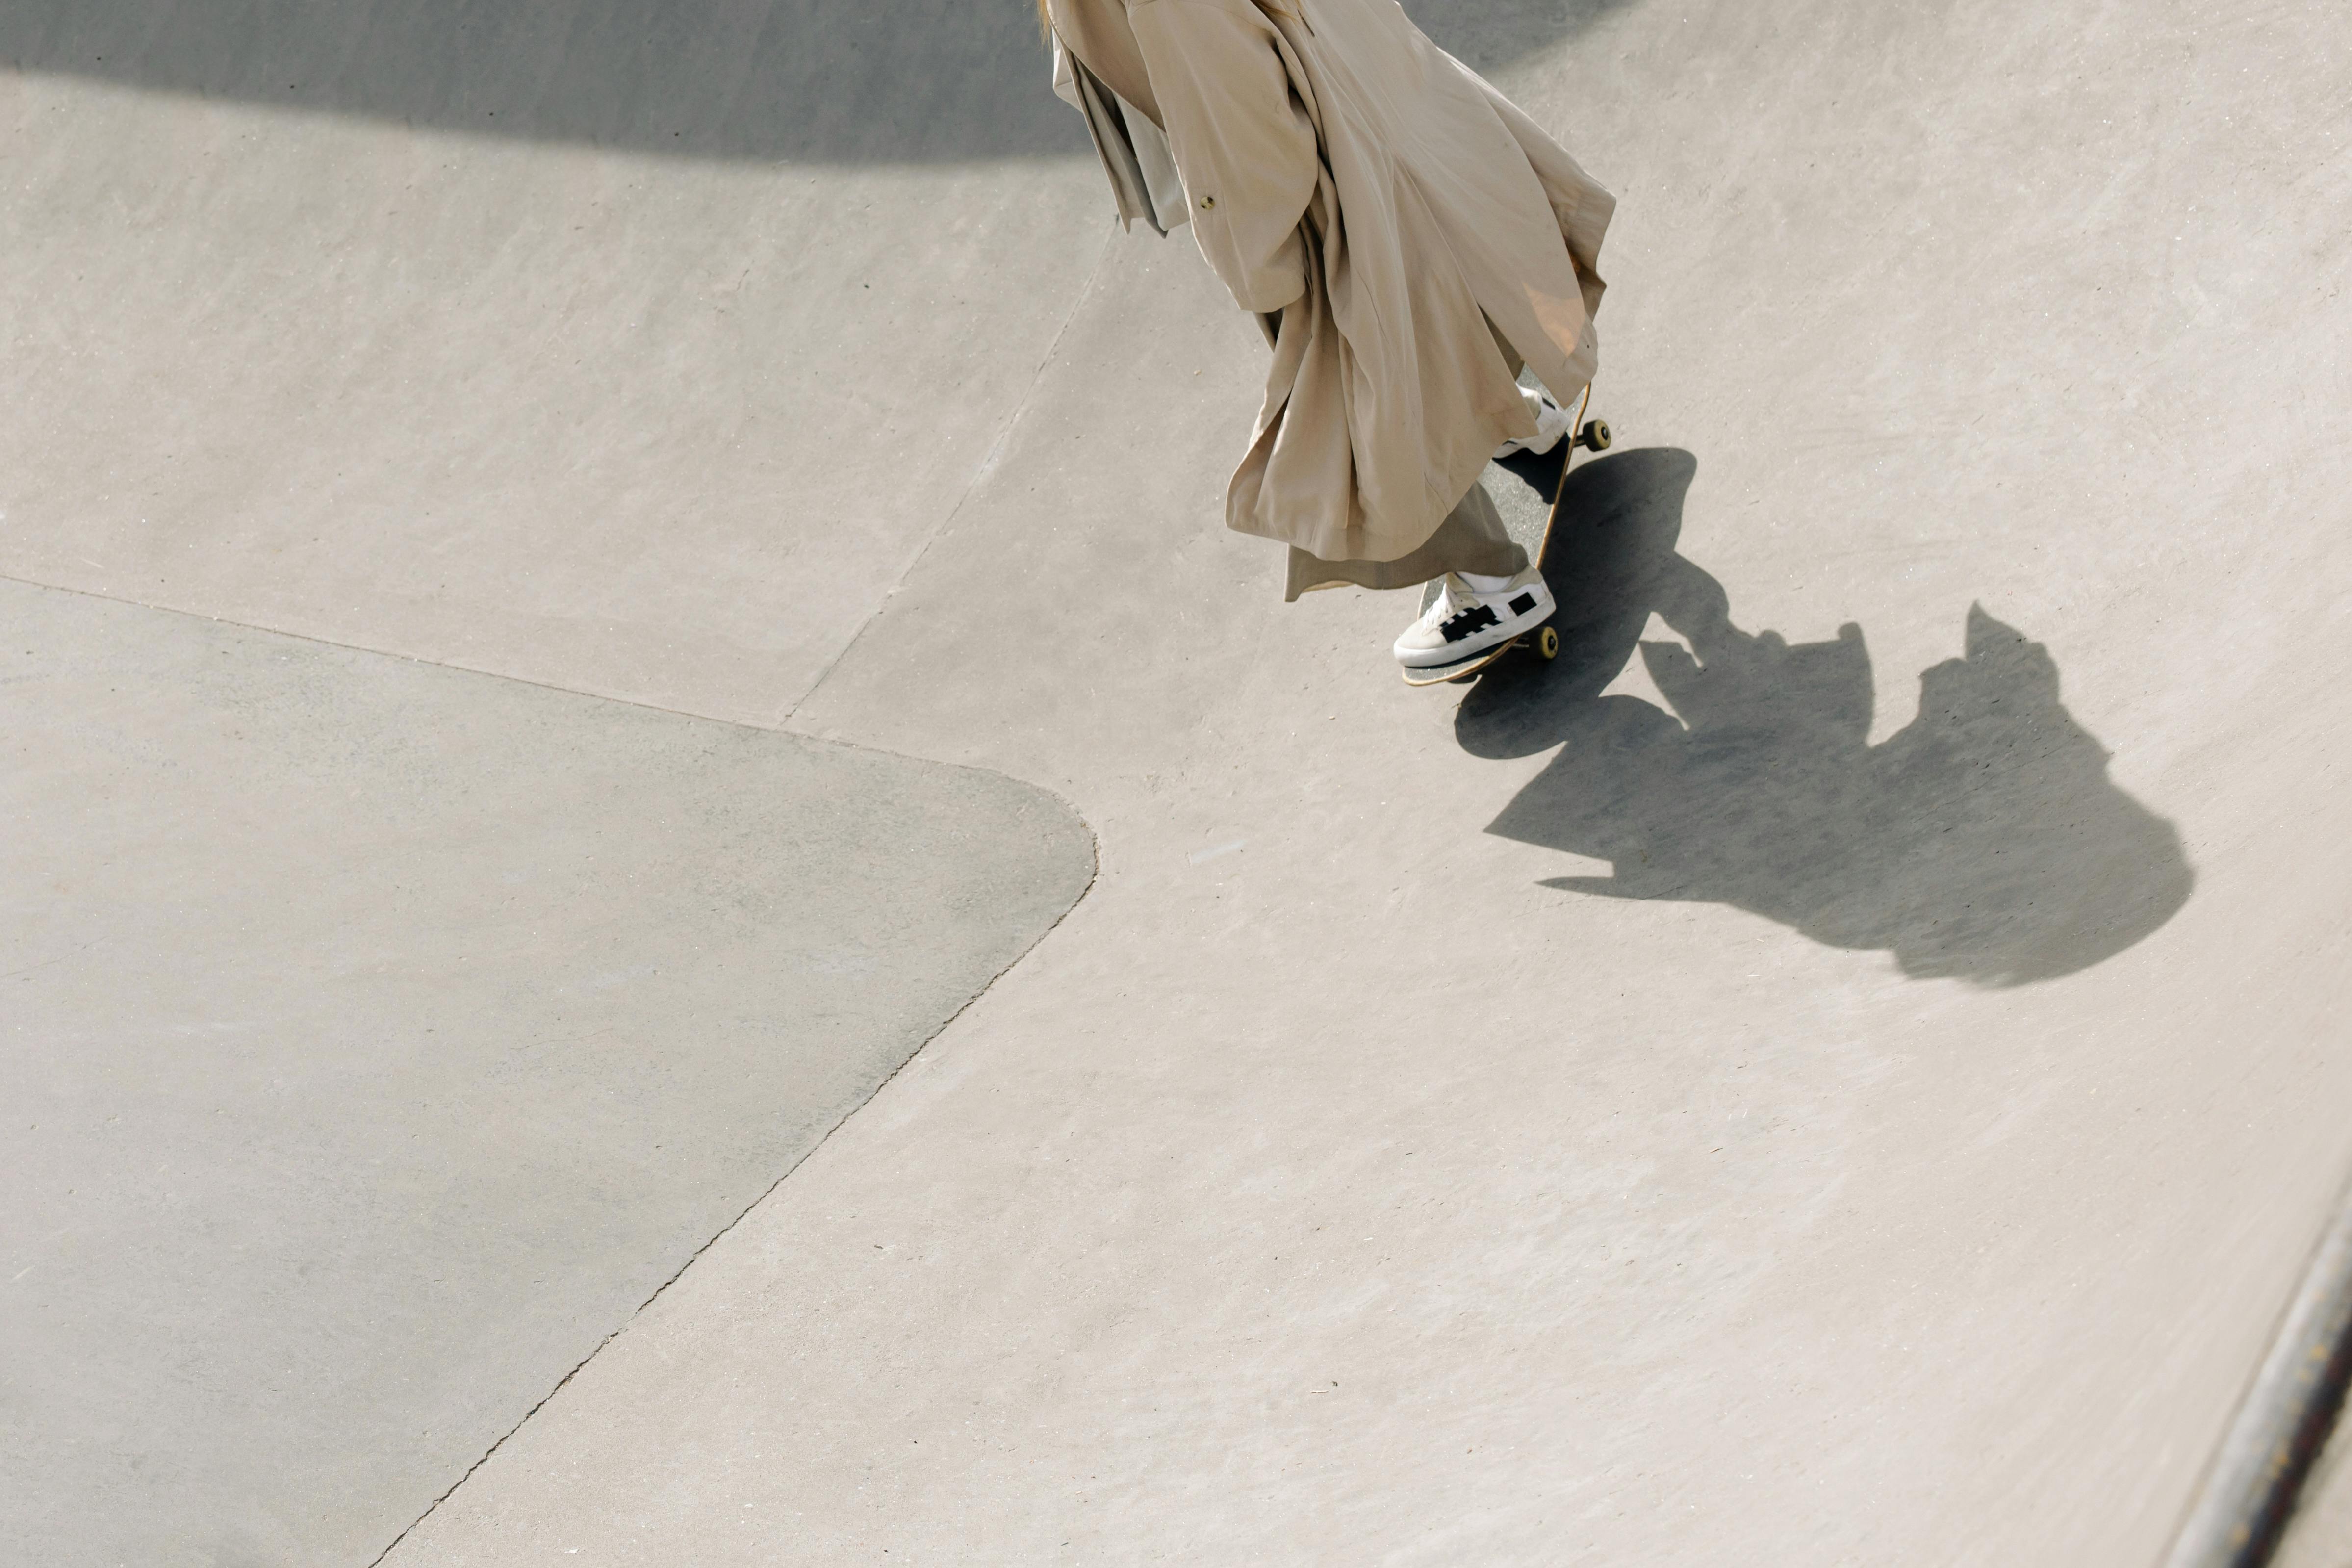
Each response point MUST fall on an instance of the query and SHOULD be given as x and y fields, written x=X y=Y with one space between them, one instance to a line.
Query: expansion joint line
x=978 y=477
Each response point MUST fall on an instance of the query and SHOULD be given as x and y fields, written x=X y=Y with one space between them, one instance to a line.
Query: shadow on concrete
x=1984 y=841
x=821 y=81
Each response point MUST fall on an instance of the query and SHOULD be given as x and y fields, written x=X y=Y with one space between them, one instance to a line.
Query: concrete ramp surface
x=670 y=897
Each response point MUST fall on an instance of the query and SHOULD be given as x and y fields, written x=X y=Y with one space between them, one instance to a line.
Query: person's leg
x=1487 y=590
x=1472 y=540
x=1552 y=423
x=1470 y=613
x=1487 y=593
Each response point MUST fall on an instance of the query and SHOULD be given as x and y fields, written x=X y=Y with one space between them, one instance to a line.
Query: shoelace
x=1445 y=607
x=1448 y=610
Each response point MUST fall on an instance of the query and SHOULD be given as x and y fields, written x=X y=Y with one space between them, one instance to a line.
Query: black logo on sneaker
x=1478 y=619
x=1523 y=604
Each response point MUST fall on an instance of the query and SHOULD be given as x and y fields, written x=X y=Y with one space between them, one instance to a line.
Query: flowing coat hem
x=1437 y=219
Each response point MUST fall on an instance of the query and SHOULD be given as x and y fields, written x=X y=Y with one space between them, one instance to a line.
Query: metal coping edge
x=2283 y=1422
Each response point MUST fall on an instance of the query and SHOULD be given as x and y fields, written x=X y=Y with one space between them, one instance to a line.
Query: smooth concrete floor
x=1845 y=1069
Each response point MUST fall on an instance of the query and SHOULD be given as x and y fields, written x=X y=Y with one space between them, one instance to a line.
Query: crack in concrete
x=988 y=465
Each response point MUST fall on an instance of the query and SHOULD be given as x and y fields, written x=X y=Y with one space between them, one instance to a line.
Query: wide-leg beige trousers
x=1471 y=539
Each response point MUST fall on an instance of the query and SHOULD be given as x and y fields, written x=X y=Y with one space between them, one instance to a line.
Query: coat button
x=1207 y=203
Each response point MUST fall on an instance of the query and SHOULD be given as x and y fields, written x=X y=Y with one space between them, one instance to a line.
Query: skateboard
x=1526 y=488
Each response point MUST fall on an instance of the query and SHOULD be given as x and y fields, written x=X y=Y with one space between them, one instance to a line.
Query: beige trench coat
x=1341 y=170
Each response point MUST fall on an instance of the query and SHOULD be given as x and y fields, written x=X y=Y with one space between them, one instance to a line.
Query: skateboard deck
x=1526 y=488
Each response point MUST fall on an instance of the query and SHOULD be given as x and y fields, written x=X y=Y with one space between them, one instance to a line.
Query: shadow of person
x=843 y=82
x=1984 y=841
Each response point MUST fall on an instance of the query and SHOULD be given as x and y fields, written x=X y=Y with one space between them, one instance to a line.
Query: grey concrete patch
x=378 y=1036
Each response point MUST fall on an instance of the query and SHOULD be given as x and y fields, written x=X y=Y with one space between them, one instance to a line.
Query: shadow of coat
x=1984 y=841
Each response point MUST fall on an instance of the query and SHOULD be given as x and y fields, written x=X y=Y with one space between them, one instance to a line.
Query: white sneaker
x=1463 y=622
x=1552 y=422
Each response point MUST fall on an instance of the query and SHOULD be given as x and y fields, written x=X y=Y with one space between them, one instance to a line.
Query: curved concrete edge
x=1093 y=874
x=2242 y=1510
x=385 y=1037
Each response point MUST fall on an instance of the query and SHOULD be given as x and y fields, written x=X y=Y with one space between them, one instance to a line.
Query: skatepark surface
x=670 y=897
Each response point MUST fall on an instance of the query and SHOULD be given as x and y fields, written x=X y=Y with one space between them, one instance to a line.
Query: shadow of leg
x=1620 y=516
